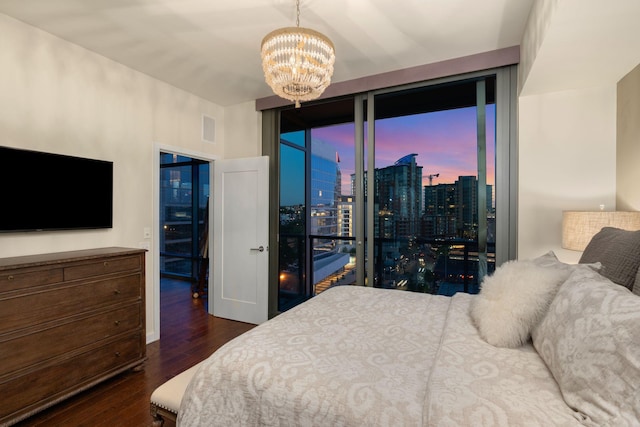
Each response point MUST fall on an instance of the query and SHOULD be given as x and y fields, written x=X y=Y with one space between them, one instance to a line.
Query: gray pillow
x=618 y=251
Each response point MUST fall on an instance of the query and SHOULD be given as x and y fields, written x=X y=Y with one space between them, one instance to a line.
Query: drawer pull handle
x=117 y=354
x=117 y=323
x=106 y=264
x=116 y=292
x=10 y=278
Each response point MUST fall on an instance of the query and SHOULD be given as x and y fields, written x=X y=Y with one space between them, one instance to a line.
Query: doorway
x=183 y=217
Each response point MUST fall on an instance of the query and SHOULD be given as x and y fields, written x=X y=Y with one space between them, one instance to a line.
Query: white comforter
x=355 y=356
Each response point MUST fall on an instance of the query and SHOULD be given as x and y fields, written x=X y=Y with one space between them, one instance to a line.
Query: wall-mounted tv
x=43 y=191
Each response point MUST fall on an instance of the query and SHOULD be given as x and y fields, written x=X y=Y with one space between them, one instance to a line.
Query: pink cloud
x=444 y=141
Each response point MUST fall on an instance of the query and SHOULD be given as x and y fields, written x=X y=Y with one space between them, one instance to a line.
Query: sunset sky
x=445 y=142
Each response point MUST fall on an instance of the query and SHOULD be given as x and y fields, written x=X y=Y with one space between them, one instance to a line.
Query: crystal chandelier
x=297 y=62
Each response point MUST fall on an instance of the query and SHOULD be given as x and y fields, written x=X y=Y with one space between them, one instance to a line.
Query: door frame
x=158 y=148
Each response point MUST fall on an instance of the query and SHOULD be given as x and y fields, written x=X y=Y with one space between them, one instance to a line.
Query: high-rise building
x=439 y=219
x=451 y=210
x=346 y=216
x=398 y=198
x=466 y=206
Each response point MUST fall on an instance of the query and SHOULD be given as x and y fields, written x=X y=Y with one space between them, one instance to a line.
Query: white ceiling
x=584 y=43
x=212 y=47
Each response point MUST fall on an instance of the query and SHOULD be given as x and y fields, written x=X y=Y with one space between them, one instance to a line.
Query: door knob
x=259 y=249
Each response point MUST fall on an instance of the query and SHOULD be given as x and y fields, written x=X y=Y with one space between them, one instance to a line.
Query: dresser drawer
x=68 y=320
x=39 y=307
x=20 y=395
x=107 y=266
x=20 y=352
x=11 y=280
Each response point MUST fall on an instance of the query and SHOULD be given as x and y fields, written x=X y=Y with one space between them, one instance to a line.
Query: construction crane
x=435 y=175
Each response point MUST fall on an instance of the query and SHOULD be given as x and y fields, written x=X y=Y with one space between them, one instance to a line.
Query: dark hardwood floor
x=188 y=335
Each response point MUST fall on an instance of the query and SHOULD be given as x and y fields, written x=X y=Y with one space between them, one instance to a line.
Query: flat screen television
x=43 y=191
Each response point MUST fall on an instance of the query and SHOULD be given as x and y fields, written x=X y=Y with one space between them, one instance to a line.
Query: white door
x=240 y=238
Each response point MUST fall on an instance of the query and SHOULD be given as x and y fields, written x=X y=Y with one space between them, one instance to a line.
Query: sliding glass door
x=316 y=249
x=397 y=188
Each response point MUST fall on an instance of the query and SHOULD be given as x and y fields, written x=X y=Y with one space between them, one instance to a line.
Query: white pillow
x=590 y=340
x=513 y=300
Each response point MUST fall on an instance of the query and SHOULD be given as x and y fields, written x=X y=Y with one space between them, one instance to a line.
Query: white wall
x=244 y=131
x=537 y=27
x=58 y=97
x=628 y=152
x=567 y=156
x=573 y=53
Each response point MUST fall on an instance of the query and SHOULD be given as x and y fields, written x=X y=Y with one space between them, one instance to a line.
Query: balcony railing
x=437 y=266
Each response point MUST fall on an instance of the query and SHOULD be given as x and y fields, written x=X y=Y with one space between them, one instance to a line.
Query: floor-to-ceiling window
x=426 y=159
x=433 y=180
x=184 y=197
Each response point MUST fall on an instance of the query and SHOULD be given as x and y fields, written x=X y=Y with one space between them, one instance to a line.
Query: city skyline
x=445 y=141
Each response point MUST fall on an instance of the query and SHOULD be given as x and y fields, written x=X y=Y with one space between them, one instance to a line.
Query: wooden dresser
x=68 y=320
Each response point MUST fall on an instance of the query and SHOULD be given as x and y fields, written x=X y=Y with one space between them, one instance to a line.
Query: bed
x=543 y=344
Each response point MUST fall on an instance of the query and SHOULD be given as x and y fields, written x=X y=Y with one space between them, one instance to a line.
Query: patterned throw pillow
x=590 y=340
x=550 y=260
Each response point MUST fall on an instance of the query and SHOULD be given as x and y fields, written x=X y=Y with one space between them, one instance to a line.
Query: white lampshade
x=578 y=227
